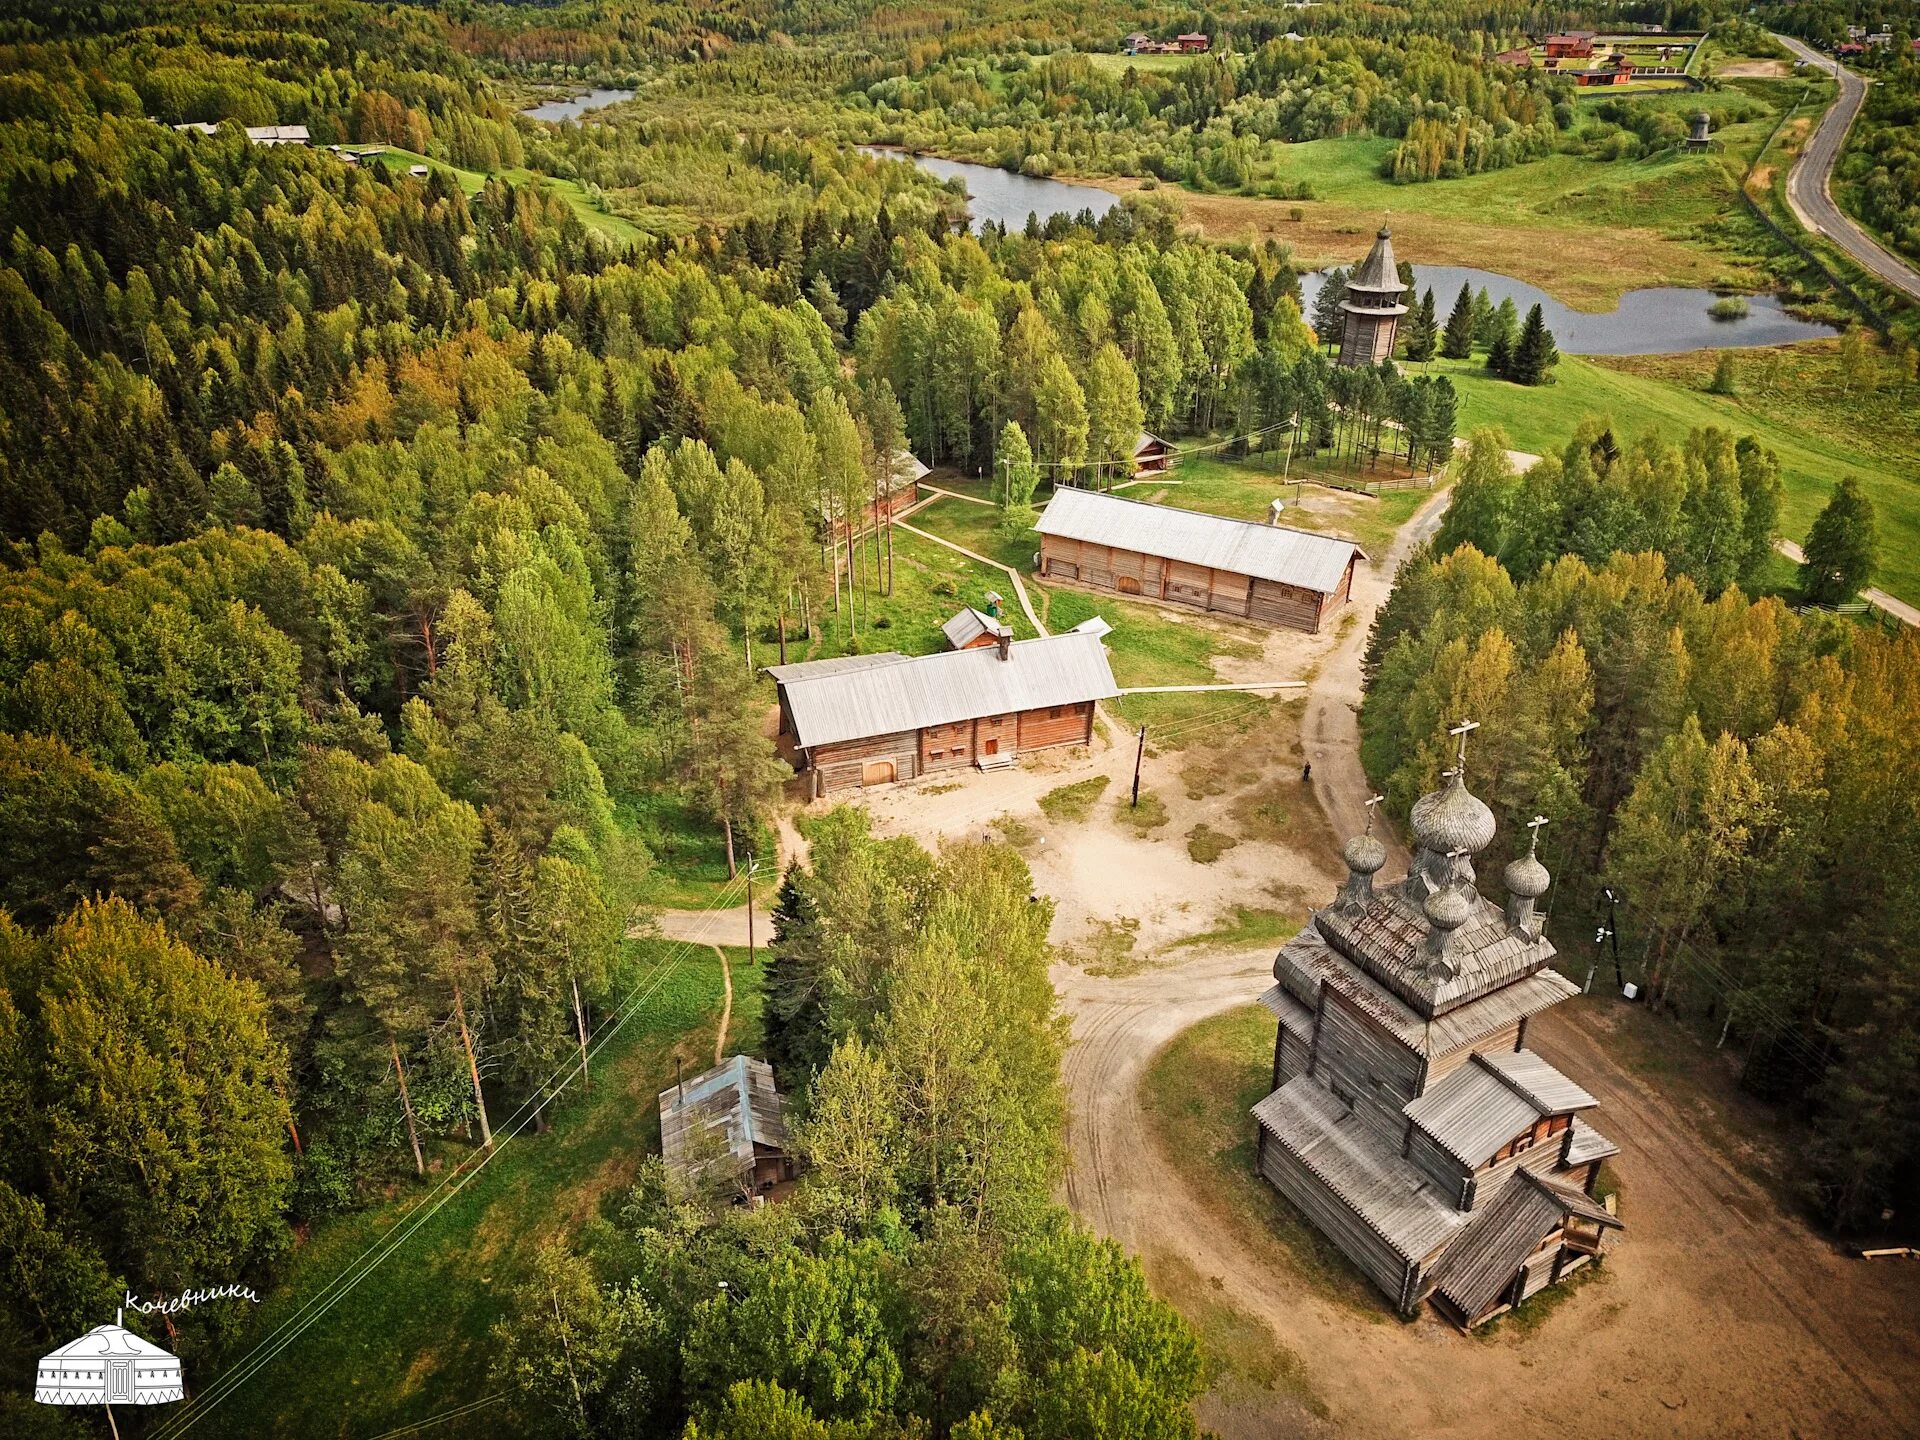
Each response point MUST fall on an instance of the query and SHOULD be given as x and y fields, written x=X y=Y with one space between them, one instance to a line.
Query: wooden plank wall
x=1056 y=725
x=1542 y=1159
x=1440 y=1066
x=843 y=766
x=1448 y=1173
x=1365 y=1066
x=1174 y=582
x=1357 y=1240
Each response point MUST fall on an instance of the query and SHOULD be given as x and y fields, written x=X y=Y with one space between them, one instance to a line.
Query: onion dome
x=1526 y=877
x=1364 y=854
x=1451 y=818
x=1447 y=909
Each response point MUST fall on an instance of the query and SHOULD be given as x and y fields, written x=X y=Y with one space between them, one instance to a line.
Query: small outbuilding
x=1193 y=43
x=1266 y=573
x=109 y=1365
x=973 y=629
x=1151 y=456
x=729 y=1122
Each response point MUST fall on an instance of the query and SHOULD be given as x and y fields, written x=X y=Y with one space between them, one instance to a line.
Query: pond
x=1648 y=322
x=1003 y=196
x=576 y=106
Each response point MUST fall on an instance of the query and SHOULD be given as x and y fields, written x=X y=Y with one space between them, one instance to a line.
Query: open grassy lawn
x=689 y=850
x=414 y=1339
x=1197 y=1095
x=978 y=528
x=930 y=583
x=1152 y=646
x=1800 y=411
x=1118 y=64
x=1583 y=229
x=613 y=226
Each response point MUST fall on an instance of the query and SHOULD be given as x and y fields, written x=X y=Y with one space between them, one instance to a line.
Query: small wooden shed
x=732 y=1118
x=1266 y=573
x=1151 y=456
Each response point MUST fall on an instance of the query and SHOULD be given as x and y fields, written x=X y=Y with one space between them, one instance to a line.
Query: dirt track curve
x=1718 y=1314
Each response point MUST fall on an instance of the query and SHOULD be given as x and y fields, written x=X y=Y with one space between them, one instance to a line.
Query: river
x=576 y=106
x=1007 y=198
x=1658 y=321
x=1647 y=322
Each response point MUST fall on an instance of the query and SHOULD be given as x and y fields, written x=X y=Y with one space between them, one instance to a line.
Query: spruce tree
x=1535 y=355
x=1327 y=316
x=1457 y=343
x=1842 y=548
x=1421 y=330
x=1500 y=358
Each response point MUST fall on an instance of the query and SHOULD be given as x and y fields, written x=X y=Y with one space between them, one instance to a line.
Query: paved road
x=1808 y=192
x=1879 y=599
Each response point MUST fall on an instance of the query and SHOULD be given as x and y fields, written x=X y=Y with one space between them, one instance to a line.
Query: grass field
x=1585 y=230
x=1197 y=1094
x=613 y=226
x=1245 y=488
x=414 y=1340
x=1798 y=408
x=930 y=583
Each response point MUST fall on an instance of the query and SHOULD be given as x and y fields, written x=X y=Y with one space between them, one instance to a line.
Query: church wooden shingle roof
x=1483 y=1260
x=1388 y=937
x=1396 y=1199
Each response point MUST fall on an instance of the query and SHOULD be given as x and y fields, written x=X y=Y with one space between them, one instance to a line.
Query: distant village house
x=865 y=720
x=1266 y=573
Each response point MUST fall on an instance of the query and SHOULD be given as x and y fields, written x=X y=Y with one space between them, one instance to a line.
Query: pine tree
x=1842 y=548
x=1535 y=355
x=1500 y=358
x=1457 y=343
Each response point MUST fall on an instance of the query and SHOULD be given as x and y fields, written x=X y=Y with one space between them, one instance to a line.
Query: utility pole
x=750 y=864
x=1613 y=934
x=1138 y=755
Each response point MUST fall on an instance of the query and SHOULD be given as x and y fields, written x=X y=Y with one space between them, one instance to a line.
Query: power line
x=458 y=1411
x=316 y=1306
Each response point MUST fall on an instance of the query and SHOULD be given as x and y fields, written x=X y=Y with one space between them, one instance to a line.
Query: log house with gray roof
x=1408 y=1119
x=865 y=720
x=1269 y=574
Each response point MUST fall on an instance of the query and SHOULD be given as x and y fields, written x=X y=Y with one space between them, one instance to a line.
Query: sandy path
x=1331 y=732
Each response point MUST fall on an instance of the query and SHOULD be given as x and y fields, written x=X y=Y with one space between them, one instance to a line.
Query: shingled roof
x=1378 y=273
x=1480 y=1264
x=1299 y=558
x=829 y=702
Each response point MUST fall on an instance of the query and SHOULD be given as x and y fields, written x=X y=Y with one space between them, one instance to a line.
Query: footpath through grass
x=415 y=1337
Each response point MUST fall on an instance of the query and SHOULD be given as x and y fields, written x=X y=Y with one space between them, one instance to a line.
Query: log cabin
x=1152 y=456
x=973 y=629
x=1408 y=1119
x=869 y=720
x=1269 y=573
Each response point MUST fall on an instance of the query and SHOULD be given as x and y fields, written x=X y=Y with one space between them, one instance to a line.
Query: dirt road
x=1331 y=732
x=1809 y=190
x=1719 y=1313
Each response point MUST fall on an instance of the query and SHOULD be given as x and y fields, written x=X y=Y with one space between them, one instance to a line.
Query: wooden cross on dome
x=1462 y=730
x=1534 y=825
x=1370 y=804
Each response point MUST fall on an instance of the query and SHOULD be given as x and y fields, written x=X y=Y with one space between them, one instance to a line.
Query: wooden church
x=1373 y=306
x=1408 y=1120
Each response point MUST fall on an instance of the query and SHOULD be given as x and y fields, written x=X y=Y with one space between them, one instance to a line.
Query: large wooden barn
x=1409 y=1121
x=1267 y=573
x=874 y=719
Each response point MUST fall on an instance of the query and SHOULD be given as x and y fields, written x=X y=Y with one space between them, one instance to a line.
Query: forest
x=387 y=561
x=1717 y=761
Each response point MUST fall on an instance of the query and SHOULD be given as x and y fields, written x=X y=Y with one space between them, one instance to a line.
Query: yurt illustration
x=109 y=1365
